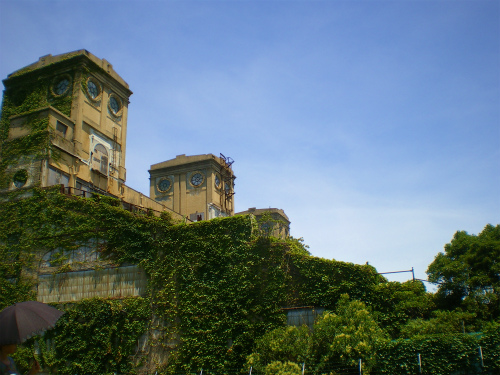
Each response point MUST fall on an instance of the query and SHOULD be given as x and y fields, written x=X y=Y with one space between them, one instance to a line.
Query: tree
x=280 y=368
x=344 y=337
x=394 y=304
x=443 y=322
x=338 y=339
x=284 y=345
x=469 y=273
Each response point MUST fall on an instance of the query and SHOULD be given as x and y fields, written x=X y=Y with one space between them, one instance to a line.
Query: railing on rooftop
x=140 y=210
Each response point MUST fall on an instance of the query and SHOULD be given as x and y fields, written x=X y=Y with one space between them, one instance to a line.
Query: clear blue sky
x=374 y=124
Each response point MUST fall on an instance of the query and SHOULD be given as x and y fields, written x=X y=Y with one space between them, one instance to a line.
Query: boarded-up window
x=87 y=252
x=100 y=159
x=121 y=282
x=303 y=316
x=56 y=177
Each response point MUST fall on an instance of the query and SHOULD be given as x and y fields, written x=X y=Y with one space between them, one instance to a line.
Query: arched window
x=100 y=159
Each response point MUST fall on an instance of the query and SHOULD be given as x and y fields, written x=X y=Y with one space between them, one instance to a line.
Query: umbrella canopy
x=23 y=320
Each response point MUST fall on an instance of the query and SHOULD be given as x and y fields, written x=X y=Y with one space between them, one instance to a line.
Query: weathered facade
x=272 y=221
x=200 y=187
x=78 y=105
x=83 y=103
x=89 y=129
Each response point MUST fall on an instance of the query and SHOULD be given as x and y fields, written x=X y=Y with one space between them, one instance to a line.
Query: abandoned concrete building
x=87 y=109
x=84 y=104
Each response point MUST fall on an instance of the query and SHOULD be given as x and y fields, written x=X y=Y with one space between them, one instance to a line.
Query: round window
x=197 y=179
x=61 y=85
x=20 y=178
x=115 y=105
x=93 y=88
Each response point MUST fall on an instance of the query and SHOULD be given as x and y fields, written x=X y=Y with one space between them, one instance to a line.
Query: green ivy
x=214 y=286
x=441 y=355
x=94 y=336
x=36 y=145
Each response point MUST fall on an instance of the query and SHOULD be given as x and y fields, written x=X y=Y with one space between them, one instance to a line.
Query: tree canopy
x=468 y=273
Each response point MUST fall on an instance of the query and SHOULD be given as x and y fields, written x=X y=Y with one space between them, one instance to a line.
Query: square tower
x=64 y=121
x=200 y=187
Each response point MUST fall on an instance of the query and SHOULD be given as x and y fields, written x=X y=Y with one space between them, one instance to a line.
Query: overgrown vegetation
x=216 y=289
x=36 y=145
x=349 y=338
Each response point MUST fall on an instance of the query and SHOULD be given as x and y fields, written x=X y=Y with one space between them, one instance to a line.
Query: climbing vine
x=35 y=144
x=441 y=354
x=214 y=286
x=94 y=336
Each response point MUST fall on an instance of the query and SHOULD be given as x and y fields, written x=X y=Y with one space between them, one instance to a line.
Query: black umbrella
x=23 y=320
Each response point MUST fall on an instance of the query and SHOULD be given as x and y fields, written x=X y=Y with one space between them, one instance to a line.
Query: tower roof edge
x=48 y=60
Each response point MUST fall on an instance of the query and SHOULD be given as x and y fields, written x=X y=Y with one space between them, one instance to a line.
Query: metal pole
x=419 y=363
x=250 y=373
x=413 y=273
x=360 y=371
x=481 y=356
x=303 y=367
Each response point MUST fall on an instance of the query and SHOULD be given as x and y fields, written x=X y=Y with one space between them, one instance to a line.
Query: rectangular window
x=104 y=165
x=198 y=216
x=83 y=189
x=100 y=159
x=56 y=177
x=61 y=129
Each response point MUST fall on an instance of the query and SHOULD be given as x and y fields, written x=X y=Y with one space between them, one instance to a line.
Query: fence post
x=419 y=363
x=360 y=370
x=481 y=356
x=250 y=373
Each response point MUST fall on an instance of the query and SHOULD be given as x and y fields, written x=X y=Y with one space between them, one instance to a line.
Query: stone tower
x=66 y=116
x=200 y=187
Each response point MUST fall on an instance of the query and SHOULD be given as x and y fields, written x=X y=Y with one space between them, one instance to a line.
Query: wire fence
x=338 y=368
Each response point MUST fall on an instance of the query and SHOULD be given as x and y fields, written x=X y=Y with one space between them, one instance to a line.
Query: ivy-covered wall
x=214 y=286
x=26 y=96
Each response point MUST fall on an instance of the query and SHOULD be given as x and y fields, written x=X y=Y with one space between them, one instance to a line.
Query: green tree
x=282 y=368
x=469 y=273
x=443 y=322
x=284 y=345
x=395 y=303
x=344 y=337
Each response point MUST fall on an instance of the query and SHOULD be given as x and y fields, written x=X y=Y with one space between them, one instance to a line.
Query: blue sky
x=374 y=124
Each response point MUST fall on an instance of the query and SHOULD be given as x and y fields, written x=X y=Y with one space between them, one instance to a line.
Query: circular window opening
x=197 y=179
x=20 y=178
x=93 y=89
x=114 y=105
x=164 y=185
x=61 y=85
